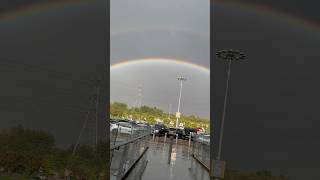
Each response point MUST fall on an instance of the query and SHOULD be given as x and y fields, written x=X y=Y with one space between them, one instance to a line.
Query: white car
x=125 y=127
x=204 y=139
x=113 y=126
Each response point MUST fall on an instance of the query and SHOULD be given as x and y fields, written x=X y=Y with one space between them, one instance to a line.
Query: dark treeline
x=25 y=153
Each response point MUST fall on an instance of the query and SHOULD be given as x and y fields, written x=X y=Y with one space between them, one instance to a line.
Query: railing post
x=117 y=134
x=154 y=133
x=170 y=150
x=176 y=138
x=193 y=144
x=165 y=137
x=131 y=130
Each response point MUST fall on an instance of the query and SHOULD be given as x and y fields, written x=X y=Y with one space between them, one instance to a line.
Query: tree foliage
x=25 y=151
x=118 y=109
x=28 y=153
x=121 y=110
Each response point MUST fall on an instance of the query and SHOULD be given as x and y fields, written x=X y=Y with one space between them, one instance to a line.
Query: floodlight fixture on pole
x=229 y=56
x=181 y=79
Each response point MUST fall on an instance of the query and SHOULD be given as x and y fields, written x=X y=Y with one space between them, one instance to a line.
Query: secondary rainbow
x=31 y=9
x=120 y=32
x=264 y=10
x=131 y=63
x=44 y=6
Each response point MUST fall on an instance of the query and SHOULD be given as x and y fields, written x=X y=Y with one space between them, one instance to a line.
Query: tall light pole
x=170 y=105
x=181 y=79
x=140 y=100
x=229 y=56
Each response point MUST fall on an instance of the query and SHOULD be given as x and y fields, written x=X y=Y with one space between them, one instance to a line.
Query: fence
x=127 y=151
x=201 y=151
x=200 y=164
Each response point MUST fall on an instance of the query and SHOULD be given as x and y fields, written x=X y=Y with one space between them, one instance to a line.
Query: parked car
x=126 y=127
x=113 y=126
x=190 y=131
x=152 y=129
x=172 y=132
x=199 y=130
x=204 y=138
x=160 y=129
x=142 y=127
x=182 y=133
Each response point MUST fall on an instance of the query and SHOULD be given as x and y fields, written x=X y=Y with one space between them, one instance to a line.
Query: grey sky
x=160 y=87
x=273 y=119
x=177 y=29
x=46 y=61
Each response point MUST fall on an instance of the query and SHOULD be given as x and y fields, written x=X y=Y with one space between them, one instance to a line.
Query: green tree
x=118 y=109
x=24 y=150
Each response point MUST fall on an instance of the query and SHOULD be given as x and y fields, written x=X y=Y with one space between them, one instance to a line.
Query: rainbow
x=31 y=9
x=160 y=28
x=44 y=6
x=271 y=12
x=159 y=61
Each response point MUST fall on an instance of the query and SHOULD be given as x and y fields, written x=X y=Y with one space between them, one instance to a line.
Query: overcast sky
x=176 y=29
x=48 y=56
x=273 y=117
x=150 y=28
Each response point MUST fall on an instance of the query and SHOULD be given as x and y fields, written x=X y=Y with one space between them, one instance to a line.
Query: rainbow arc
x=156 y=61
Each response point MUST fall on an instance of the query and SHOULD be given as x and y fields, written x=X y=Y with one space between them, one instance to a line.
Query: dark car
x=182 y=134
x=160 y=129
x=172 y=132
x=190 y=131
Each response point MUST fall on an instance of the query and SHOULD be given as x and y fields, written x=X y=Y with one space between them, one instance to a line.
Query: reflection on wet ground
x=182 y=166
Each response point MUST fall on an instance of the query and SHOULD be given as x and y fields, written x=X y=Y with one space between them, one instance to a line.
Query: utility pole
x=229 y=56
x=89 y=129
x=181 y=79
x=81 y=132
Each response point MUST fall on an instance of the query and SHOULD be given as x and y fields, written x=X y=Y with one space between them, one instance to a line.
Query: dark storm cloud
x=273 y=118
x=14 y=4
x=306 y=9
x=47 y=61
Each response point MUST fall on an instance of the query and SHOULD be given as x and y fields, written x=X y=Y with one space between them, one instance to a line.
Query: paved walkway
x=181 y=167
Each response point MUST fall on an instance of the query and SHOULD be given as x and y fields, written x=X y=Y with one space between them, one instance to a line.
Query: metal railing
x=201 y=151
x=200 y=162
x=127 y=151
